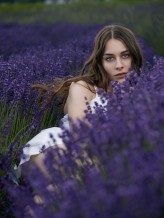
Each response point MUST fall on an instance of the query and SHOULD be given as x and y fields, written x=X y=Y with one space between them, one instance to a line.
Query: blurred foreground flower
x=112 y=169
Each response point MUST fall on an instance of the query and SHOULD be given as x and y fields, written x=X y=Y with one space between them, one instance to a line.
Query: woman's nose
x=119 y=64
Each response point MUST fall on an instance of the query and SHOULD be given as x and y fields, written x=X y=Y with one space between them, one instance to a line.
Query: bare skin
x=116 y=60
x=75 y=104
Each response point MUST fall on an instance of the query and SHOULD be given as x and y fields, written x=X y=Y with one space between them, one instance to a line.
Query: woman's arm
x=76 y=103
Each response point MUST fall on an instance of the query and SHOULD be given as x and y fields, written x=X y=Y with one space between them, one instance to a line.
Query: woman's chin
x=121 y=80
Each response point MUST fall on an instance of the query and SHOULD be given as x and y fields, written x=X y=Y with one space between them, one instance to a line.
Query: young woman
x=115 y=52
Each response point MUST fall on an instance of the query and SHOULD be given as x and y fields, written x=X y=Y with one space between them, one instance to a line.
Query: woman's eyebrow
x=124 y=51
x=113 y=54
x=107 y=54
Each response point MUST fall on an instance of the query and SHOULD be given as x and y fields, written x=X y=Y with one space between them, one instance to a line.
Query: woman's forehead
x=115 y=46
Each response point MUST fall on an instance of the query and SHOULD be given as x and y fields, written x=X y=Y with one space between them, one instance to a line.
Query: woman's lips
x=120 y=74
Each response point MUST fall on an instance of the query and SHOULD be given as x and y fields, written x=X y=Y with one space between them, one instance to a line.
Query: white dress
x=43 y=140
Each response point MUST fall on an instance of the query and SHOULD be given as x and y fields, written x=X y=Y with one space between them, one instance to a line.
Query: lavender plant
x=114 y=170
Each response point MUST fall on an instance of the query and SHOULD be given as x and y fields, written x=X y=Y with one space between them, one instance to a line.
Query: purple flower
x=111 y=168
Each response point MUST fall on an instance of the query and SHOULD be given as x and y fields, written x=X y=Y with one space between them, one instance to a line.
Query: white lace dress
x=43 y=140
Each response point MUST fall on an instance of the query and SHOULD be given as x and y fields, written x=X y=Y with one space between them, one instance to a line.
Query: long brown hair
x=93 y=72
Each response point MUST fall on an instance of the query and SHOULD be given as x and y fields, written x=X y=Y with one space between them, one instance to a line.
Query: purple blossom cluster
x=112 y=168
x=40 y=58
x=17 y=38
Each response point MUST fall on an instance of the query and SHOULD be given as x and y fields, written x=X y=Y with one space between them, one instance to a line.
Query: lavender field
x=145 y=17
x=114 y=170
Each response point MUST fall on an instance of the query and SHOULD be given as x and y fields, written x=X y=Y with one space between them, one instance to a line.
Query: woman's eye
x=110 y=58
x=125 y=56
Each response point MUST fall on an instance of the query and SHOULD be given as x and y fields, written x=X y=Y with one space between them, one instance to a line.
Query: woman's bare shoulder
x=81 y=85
x=80 y=89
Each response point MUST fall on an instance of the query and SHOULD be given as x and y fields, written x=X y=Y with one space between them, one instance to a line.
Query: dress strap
x=96 y=90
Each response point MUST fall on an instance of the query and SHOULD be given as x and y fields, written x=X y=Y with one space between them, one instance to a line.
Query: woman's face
x=116 y=60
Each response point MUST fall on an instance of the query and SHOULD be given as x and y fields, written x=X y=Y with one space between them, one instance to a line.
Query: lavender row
x=113 y=170
x=17 y=38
